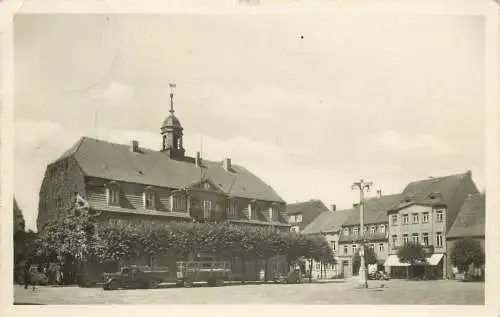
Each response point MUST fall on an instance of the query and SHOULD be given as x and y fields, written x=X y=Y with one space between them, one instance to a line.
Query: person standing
x=26 y=274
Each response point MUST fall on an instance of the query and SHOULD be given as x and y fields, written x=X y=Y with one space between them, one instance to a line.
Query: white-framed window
x=207 y=208
x=439 y=215
x=299 y=218
x=414 y=237
x=425 y=217
x=405 y=238
x=406 y=219
x=372 y=229
x=414 y=218
x=381 y=229
x=394 y=240
x=346 y=249
x=355 y=231
x=206 y=186
x=346 y=231
x=439 y=239
x=425 y=238
x=394 y=220
x=179 y=203
x=273 y=213
x=354 y=248
x=231 y=209
x=148 y=199
x=381 y=247
x=113 y=195
x=334 y=245
x=291 y=219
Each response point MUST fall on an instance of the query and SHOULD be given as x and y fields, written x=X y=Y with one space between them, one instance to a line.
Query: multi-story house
x=424 y=215
x=375 y=232
x=303 y=213
x=128 y=183
x=470 y=224
x=328 y=224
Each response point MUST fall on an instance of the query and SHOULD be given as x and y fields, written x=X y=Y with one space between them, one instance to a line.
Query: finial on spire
x=172 y=86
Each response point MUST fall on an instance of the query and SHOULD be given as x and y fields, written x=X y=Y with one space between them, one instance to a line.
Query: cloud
x=28 y=132
x=114 y=94
x=394 y=141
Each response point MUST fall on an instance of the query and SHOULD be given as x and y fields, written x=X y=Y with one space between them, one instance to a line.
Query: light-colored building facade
x=424 y=215
x=376 y=229
x=328 y=224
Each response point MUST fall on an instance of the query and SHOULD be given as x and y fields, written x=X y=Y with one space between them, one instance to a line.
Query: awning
x=435 y=259
x=393 y=260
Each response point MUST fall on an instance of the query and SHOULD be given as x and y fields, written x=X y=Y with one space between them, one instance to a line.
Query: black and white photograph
x=234 y=159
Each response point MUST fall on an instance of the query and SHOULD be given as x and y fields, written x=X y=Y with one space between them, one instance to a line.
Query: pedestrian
x=33 y=276
x=26 y=274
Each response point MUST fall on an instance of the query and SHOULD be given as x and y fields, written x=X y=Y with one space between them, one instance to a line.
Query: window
x=354 y=248
x=394 y=240
x=345 y=250
x=371 y=246
x=113 y=196
x=381 y=247
x=372 y=229
x=207 y=208
x=299 y=218
x=206 y=186
x=232 y=210
x=355 y=231
x=414 y=218
x=59 y=203
x=439 y=215
x=334 y=245
x=149 y=200
x=405 y=238
x=273 y=213
x=425 y=238
x=318 y=266
x=414 y=237
x=381 y=229
x=179 y=203
x=405 y=219
x=295 y=228
x=346 y=231
x=425 y=217
x=439 y=239
x=291 y=219
x=394 y=220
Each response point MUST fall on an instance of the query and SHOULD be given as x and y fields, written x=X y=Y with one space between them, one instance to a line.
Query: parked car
x=293 y=277
x=378 y=275
x=135 y=277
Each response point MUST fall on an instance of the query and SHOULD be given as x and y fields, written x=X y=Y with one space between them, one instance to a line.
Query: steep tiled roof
x=327 y=221
x=375 y=210
x=471 y=218
x=306 y=207
x=450 y=191
x=113 y=161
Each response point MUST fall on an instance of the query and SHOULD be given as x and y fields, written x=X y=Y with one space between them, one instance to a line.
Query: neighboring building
x=375 y=232
x=127 y=183
x=303 y=213
x=425 y=213
x=328 y=224
x=470 y=223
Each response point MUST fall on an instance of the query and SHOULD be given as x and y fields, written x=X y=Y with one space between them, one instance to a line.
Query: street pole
x=363 y=274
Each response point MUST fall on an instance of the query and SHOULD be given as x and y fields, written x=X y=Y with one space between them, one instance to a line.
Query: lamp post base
x=363 y=278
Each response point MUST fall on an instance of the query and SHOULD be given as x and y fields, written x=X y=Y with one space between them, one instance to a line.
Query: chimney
x=226 y=164
x=197 y=159
x=334 y=207
x=134 y=146
x=379 y=193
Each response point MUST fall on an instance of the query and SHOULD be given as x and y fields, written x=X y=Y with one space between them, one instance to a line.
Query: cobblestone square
x=394 y=292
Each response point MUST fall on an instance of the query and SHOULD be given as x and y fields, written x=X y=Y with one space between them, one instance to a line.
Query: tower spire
x=172 y=86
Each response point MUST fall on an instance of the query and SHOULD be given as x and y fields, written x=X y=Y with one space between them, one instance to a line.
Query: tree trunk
x=310 y=270
x=266 y=276
x=407 y=272
x=243 y=270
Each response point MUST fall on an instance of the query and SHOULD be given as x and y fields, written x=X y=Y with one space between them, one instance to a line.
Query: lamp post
x=362 y=186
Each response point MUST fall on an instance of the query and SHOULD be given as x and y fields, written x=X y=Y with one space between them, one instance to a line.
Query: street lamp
x=362 y=186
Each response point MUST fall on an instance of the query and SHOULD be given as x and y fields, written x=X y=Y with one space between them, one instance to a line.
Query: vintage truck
x=213 y=273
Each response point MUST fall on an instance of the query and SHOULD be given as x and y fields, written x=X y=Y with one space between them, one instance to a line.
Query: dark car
x=293 y=277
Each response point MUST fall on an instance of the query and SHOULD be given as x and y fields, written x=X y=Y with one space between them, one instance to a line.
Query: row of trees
x=78 y=238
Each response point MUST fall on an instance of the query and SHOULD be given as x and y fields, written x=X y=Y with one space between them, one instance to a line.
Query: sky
x=310 y=104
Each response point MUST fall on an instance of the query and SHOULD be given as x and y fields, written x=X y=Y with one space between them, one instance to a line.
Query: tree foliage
x=466 y=252
x=370 y=258
x=412 y=253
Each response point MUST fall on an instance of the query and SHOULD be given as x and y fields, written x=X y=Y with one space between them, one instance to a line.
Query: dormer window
x=346 y=231
x=372 y=229
x=113 y=194
x=381 y=229
x=206 y=186
x=355 y=231
x=148 y=199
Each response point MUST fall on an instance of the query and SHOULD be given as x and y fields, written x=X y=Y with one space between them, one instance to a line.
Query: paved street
x=395 y=292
